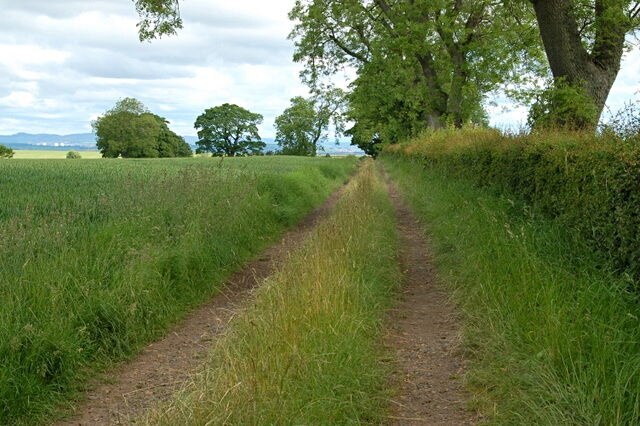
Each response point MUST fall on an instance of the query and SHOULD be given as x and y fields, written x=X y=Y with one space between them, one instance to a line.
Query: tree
x=73 y=155
x=6 y=152
x=306 y=122
x=584 y=41
x=130 y=130
x=452 y=51
x=229 y=130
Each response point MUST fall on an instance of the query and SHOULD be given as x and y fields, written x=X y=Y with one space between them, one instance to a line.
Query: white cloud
x=67 y=62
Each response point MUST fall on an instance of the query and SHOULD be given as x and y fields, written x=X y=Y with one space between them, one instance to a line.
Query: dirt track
x=424 y=335
x=164 y=366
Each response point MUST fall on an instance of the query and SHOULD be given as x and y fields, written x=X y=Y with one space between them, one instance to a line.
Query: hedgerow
x=590 y=182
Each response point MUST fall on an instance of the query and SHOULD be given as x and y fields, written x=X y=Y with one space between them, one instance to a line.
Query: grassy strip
x=307 y=350
x=555 y=338
x=98 y=257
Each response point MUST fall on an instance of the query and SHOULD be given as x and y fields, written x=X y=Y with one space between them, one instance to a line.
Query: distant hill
x=80 y=141
x=49 y=141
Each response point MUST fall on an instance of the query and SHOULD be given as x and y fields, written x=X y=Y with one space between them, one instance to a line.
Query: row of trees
x=424 y=63
x=232 y=130
x=130 y=130
x=429 y=63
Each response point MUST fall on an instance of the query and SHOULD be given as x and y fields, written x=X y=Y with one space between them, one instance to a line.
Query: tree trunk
x=594 y=73
x=438 y=98
x=458 y=81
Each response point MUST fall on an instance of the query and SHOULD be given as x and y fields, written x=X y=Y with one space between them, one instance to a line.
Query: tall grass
x=307 y=350
x=553 y=335
x=98 y=257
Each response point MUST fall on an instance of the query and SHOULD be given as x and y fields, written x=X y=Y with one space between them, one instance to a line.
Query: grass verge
x=307 y=350
x=553 y=335
x=99 y=257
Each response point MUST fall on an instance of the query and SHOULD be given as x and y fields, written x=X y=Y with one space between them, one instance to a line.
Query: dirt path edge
x=163 y=367
x=424 y=335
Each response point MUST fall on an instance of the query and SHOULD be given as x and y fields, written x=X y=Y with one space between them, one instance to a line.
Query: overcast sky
x=66 y=62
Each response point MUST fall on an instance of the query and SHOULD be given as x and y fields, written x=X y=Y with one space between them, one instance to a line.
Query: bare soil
x=424 y=334
x=165 y=366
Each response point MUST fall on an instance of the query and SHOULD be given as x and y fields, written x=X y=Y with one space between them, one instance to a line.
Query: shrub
x=562 y=106
x=73 y=155
x=6 y=152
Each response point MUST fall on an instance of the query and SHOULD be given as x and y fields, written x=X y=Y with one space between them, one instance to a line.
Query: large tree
x=303 y=125
x=229 y=130
x=452 y=51
x=130 y=130
x=584 y=41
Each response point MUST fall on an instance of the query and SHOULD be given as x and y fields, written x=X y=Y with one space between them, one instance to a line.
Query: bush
x=588 y=181
x=563 y=106
x=73 y=155
x=6 y=152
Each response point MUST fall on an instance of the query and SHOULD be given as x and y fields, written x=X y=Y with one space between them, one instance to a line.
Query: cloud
x=67 y=62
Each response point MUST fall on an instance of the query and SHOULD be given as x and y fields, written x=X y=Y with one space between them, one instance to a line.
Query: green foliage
x=584 y=41
x=562 y=106
x=229 y=130
x=73 y=155
x=419 y=64
x=588 y=182
x=307 y=349
x=299 y=128
x=306 y=122
x=130 y=130
x=158 y=18
x=552 y=335
x=6 y=152
x=101 y=257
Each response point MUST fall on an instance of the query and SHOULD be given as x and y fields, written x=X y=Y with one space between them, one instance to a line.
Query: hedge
x=590 y=182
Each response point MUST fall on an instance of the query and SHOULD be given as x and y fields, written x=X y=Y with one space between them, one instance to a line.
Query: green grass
x=97 y=257
x=27 y=154
x=307 y=350
x=554 y=338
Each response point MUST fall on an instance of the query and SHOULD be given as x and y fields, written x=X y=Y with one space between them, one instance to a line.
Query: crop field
x=27 y=154
x=99 y=256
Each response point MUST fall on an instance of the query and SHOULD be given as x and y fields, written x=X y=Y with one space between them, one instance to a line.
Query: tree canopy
x=430 y=63
x=229 y=130
x=302 y=126
x=130 y=130
x=158 y=18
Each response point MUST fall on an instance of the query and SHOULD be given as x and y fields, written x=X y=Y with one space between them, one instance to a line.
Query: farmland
x=27 y=154
x=99 y=257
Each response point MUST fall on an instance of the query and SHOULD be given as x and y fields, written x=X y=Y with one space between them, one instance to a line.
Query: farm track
x=163 y=367
x=424 y=336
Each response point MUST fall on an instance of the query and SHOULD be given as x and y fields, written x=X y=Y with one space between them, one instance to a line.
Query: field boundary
x=164 y=366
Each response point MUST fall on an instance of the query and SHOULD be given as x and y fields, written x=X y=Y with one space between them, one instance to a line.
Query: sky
x=66 y=62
